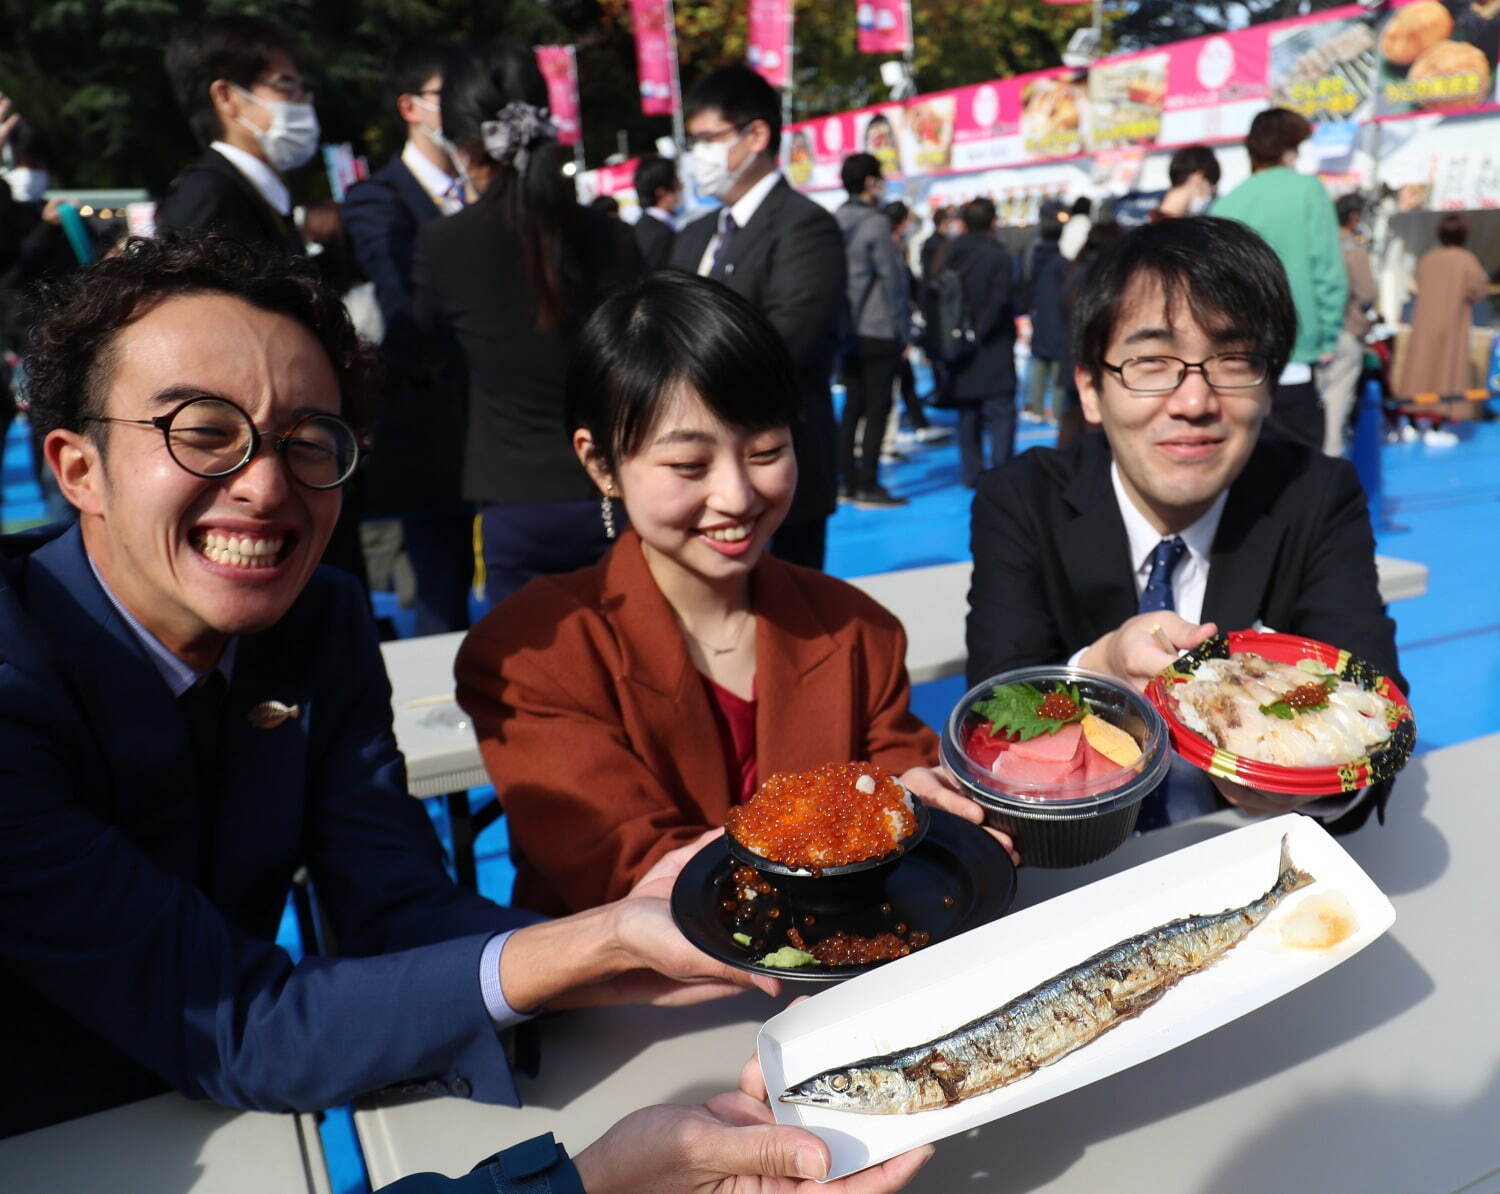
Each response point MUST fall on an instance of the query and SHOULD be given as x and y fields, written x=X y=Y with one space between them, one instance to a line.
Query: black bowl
x=835 y=889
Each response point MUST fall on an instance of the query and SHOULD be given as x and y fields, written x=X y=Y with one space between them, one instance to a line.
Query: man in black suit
x=983 y=384
x=417 y=455
x=659 y=192
x=784 y=253
x=1182 y=518
x=236 y=80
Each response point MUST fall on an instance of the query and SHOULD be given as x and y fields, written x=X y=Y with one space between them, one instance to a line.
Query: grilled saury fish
x=1048 y=1022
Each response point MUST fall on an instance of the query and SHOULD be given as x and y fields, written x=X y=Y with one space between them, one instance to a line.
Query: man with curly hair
x=191 y=708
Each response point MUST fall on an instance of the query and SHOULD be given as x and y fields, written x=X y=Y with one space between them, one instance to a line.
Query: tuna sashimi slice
x=1016 y=768
x=1096 y=766
x=1064 y=746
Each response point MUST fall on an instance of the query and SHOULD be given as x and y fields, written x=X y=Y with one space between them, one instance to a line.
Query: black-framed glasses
x=689 y=143
x=214 y=438
x=1162 y=375
x=289 y=87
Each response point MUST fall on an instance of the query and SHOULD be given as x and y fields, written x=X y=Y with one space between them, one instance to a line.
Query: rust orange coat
x=599 y=736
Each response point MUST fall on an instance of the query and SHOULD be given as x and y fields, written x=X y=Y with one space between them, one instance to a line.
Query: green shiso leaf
x=1011 y=709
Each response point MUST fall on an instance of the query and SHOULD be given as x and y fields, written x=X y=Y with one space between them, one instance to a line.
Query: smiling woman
x=624 y=708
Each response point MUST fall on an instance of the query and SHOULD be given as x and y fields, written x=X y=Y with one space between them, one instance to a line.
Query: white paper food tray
x=920 y=997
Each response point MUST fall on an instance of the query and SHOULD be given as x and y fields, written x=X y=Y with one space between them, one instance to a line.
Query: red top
x=735 y=718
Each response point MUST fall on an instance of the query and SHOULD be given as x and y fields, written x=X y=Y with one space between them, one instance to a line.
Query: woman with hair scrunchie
x=512 y=277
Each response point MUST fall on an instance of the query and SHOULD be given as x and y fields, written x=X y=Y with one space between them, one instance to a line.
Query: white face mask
x=1308 y=160
x=292 y=138
x=28 y=185
x=711 y=168
x=1199 y=204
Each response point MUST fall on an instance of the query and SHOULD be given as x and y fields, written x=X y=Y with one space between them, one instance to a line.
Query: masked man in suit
x=785 y=254
x=237 y=82
x=191 y=709
x=417 y=455
x=1183 y=518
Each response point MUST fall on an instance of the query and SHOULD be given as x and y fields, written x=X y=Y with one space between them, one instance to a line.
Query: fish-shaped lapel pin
x=269 y=714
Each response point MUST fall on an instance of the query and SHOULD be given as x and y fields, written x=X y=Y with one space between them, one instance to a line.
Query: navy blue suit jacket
x=418 y=441
x=125 y=967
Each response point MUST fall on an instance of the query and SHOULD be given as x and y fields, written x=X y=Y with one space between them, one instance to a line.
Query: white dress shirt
x=665 y=217
x=261 y=176
x=742 y=211
x=443 y=188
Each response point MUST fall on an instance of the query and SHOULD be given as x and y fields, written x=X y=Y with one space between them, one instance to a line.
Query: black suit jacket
x=417 y=449
x=655 y=241
x=1052 y=568
x=985 y=267
x=212 y=194
x=789 y=261
x=469 y=277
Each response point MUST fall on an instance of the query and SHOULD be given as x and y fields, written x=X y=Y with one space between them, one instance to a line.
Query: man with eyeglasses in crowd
x=190 y=709
x=236 y=80
x=783 y=253
x=1185 y=518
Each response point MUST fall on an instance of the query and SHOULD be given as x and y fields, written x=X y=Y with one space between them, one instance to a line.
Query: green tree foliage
x=89 y=72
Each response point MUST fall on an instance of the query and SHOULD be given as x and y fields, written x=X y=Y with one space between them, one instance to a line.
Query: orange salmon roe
x=1306 y=695
x=820 y=818
x=1058 y=706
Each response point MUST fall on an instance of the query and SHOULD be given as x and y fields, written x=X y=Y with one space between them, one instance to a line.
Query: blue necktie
x=726 y=236
x=1157 y=595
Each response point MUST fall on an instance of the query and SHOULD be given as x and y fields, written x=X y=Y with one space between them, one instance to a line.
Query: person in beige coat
x=1450 y=280
x=1339 y=378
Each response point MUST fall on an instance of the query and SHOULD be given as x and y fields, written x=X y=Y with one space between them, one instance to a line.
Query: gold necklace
x=718 y=651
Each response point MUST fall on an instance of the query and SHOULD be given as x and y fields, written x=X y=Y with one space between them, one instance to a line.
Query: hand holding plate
x=1134 y=650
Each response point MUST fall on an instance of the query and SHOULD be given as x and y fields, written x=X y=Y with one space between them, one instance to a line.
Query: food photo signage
x=1437 y=57
x=1126 y=98
x=1324 y=69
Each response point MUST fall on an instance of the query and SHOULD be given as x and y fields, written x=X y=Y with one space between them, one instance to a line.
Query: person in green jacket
x=1285 y=203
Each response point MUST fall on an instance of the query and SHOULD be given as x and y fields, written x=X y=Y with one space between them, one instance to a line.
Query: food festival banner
x=559 y=66
x=1433 y=61
x=1336 y=67
x=884 y=26
x=655 y=55
x=1215 y=86
x=1126 y=96
x=768 y=40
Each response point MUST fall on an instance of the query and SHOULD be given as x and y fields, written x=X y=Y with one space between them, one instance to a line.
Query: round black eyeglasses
x=1162 y=375
x=214 y=438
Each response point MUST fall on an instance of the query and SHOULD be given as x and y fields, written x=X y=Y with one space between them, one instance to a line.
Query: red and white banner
x=768 y=40
x=884 y=26
x=1215 y=86
x=559 y=66
x=655 y=55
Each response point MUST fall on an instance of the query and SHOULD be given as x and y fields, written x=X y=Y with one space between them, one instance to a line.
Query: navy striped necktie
x=726 y=236
x=1157 y=595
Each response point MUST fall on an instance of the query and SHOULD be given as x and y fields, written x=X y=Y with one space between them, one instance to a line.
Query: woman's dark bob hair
x=671 y=331
x=1220 y=270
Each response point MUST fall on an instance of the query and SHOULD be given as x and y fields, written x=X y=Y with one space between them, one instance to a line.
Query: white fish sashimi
x=1222 y=702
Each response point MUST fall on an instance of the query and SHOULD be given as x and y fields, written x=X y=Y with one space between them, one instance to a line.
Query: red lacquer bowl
x=1291 y=781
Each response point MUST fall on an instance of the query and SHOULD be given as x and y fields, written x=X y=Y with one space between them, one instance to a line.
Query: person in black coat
x=782 y=252
x=236 y=80
x=1045 y=284
x=659 y=191
x=1182 y=492
x=417 y=446
x=984 y=384
x=512 y=277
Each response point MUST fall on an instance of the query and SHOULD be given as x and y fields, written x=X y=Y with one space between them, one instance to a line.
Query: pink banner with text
x=559 y=66
x=884 y=26
x=768 y=40
x=655 y=48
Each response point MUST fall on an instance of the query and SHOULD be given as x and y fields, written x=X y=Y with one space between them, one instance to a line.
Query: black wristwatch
x=536 y=1166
